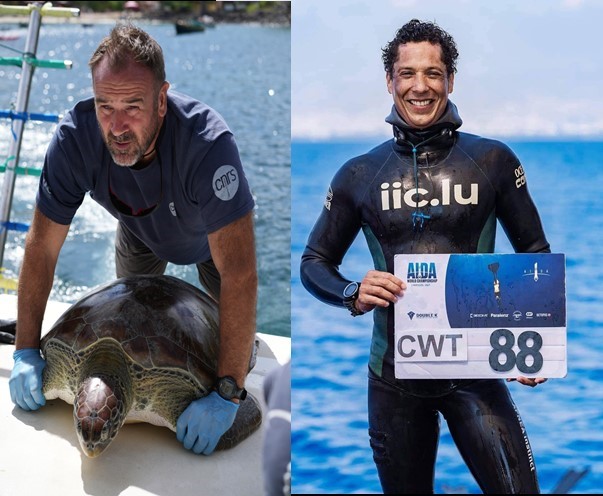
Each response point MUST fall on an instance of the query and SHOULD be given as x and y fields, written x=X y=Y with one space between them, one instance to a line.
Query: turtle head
x=99 y=411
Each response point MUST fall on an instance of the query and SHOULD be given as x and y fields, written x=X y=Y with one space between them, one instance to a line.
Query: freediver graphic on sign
x=494 y=268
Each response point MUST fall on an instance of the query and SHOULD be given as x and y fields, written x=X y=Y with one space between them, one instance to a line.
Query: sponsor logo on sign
x=535 y=272
x=431 y=315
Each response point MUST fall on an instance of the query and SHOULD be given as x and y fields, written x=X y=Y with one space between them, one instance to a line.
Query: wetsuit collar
x=445 y=125
x=436 y=137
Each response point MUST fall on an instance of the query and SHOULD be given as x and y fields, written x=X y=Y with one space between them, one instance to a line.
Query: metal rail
x=28 y=63
x=45 y=9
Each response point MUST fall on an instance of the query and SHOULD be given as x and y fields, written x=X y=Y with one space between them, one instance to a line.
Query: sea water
x=563 y=417
x=242 y=71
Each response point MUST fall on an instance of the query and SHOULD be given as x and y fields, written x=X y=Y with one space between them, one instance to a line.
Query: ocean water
x=563 y=417
x=242 y=71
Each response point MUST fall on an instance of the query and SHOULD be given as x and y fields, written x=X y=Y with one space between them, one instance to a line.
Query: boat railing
x=19 y=114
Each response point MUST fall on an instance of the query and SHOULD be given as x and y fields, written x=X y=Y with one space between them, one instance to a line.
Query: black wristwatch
x=228 y=389
x=350 y=295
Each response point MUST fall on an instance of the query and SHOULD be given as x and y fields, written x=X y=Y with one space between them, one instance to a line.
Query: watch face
x=227 y=388
x=350 y=290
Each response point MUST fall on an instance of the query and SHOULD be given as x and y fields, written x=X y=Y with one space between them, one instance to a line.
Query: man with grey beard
x=166 y=166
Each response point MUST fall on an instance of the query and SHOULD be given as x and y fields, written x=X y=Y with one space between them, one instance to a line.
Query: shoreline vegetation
x=95 y=12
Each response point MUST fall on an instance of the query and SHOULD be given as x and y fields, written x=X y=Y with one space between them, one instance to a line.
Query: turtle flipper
x=8 y=329
x=247 y=421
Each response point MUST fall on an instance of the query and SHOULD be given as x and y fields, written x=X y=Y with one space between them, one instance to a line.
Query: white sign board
x=481 y=316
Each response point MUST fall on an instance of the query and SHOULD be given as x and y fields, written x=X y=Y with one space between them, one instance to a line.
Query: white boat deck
x=40 y=453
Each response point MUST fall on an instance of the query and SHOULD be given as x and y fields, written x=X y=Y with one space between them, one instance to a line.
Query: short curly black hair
x=416 y=31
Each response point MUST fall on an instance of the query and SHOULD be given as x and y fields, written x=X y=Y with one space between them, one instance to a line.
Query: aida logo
x=421 y=272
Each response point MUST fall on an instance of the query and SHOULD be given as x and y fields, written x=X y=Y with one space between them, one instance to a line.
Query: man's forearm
x=35 y=283
x=238 y=299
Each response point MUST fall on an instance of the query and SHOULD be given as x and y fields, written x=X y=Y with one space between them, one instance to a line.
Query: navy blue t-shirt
x=196 y=177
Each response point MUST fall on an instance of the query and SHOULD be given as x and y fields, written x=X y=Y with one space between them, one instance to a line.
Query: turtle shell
x=157 y=337
x=158 y=321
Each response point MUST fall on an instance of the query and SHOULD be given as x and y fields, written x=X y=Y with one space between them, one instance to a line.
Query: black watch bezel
x=351 y=291
x=227 y=388
x=350 y=295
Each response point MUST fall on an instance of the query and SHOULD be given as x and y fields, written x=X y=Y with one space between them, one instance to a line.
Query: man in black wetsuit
x=432 y=189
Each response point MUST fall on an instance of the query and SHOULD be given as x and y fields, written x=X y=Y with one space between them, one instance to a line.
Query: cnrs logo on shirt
x=226 y=182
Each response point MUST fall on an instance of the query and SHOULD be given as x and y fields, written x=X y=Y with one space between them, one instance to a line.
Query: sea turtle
x=139 y=348
x=7 y=331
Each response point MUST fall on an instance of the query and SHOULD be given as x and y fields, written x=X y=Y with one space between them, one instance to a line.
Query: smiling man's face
x=420 y=83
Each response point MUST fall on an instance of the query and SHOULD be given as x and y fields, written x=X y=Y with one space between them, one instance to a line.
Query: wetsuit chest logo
x=392 y=196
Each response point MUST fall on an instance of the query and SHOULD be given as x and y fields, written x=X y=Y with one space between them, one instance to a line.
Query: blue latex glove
x=202 y=424
x=26 y=379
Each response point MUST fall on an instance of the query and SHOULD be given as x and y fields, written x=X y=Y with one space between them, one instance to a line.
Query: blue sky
x=526 y=67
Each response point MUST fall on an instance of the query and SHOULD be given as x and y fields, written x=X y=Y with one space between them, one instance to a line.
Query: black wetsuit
x=430 y=191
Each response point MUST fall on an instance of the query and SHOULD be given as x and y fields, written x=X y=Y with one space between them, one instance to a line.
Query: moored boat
x=189 y=26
